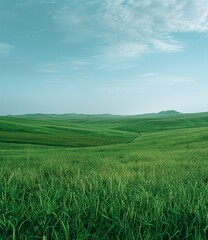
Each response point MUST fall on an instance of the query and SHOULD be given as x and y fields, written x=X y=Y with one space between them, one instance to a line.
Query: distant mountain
x=79 y=115
x=169 y=112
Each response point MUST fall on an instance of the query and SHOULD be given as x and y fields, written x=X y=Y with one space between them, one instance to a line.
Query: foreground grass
x=155 y=187
x=90 y=196
x=103 y=200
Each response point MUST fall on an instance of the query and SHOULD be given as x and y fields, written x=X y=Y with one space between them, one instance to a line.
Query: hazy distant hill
x=169 y=112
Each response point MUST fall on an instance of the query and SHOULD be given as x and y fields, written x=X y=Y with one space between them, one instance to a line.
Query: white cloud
x=46 y=70
x=5 y=48
x=183 y=80
x=78 y=64
x=146 y=75
x=50 y=67
x=167 y=45
x=125 y=50
x=25 y=3
x=129 y=28
x=124 y=88
x=152 y=22
x=56 y=67
x=172 y=80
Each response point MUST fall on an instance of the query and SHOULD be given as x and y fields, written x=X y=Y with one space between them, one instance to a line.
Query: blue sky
x=103 y=56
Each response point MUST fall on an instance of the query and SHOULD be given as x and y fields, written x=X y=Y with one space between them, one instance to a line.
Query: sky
x=103 y=56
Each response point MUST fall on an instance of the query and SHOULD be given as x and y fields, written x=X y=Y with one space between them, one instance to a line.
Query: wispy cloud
x=125 y=88
x=167 y=45
x=78 y=64
x=50 y=67
x=79 y=20
x=147 y=75
x=24 y=3
x=5 y=48
x=46 y=70
x=125 y=50
x=183 y=80
x=153 y=22
x=130 y=28
x=57 y=67
x=169 y=80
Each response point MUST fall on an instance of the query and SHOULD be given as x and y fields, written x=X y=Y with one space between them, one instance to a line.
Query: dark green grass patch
x=24 y=131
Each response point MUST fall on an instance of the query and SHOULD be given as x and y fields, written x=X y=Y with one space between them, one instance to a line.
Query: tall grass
x=88 y=195
x=154 y=187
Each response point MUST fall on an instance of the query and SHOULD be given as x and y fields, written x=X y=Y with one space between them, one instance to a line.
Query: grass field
x=104 y=177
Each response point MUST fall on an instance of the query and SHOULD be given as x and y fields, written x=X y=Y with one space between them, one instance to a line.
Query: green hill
x=54 y=130
x=76 y=130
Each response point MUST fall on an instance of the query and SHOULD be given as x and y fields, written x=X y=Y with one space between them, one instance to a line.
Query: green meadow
x=90 y=177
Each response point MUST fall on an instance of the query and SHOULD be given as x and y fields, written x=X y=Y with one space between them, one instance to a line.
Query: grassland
x=104 y=177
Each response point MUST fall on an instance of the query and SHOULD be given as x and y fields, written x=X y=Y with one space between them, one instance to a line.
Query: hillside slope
x=74 y=130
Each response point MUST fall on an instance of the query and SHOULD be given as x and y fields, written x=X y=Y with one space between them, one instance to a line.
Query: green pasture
x=104 y=177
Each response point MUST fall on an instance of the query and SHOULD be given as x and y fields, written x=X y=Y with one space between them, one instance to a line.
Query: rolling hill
x=77 y=130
